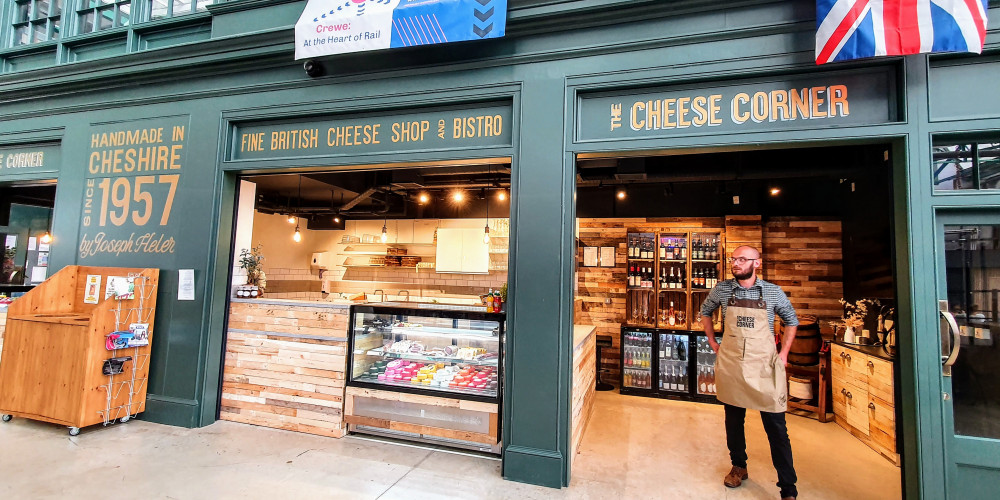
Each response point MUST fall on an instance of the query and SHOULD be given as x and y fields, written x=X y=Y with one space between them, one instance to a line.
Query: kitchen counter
x=584 y=381
x=871 y=350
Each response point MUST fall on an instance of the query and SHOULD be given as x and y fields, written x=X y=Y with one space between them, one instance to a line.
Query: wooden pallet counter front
x=285 y=365
x=584 y=381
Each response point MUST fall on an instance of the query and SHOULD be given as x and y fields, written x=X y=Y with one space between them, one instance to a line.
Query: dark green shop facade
x=149 y=126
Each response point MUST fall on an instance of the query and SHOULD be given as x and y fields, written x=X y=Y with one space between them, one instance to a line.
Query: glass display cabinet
x=429 y=349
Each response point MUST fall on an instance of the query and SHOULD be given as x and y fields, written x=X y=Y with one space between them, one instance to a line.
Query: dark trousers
x=777 y=436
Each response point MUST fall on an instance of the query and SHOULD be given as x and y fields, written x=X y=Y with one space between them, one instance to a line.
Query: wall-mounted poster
x=590 y=256
x=43 y=259
x=91 y=293
x=607 y=256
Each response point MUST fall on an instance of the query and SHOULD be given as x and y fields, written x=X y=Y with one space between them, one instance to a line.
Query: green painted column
x=536 y=397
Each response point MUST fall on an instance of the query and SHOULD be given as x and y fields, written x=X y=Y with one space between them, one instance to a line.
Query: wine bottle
x=683 y=248
x=668 y=252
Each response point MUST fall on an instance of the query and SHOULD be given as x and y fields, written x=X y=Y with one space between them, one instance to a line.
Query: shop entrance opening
x=25 y=226
x=371 y=300
x=655 y=233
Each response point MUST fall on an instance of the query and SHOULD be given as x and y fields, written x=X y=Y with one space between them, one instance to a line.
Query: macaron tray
x=452 y=378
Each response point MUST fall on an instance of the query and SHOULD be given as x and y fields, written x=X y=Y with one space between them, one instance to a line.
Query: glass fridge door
x=428 y=353
x=673 y=354
x=705 y=363
x=637 y=359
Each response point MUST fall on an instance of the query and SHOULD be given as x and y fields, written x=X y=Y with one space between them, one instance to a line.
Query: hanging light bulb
x=486 y=235
x=297 y=236
x=385 y=233
x=336 y=219
x=502 y=195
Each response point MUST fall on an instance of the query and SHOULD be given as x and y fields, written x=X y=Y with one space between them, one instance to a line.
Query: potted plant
x=250 y=261
x=856 y=316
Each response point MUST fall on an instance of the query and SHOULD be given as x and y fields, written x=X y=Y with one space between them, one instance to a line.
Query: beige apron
x=748 y=370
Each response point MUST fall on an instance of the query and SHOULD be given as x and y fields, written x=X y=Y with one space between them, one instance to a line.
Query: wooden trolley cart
x=55 y=349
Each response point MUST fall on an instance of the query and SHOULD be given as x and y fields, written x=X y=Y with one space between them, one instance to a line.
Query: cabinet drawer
x=856 y=404
x=880 y=380
x=883 y=419
x=839 y=398
x=850 y=365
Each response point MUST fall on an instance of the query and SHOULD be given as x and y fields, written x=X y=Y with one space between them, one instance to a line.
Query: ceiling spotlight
x=46 y=238
x=620 y=194
x=458 y=196
x=775 y=191
x=502 y=195
x=336 y=220
x=423 y=198
x=291 y=219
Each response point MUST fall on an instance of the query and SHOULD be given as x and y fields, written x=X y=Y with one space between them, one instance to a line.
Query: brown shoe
x=735 y=477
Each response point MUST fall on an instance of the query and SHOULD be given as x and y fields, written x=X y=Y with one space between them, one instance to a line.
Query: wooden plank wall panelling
x=803 y=255
x=805 y=258
x=286 y=382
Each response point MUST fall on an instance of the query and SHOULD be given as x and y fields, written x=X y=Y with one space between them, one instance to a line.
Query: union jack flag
x=855 y=29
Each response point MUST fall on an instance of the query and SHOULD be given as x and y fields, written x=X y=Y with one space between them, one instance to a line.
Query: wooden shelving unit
x=688 y=297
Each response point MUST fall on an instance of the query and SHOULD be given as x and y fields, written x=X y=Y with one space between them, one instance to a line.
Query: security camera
x=313 y=68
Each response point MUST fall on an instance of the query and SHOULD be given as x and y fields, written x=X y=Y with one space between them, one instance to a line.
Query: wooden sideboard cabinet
x=863 y=397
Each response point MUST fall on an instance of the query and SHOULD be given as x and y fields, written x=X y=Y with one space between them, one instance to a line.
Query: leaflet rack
x=130 y=383
x=55 y=349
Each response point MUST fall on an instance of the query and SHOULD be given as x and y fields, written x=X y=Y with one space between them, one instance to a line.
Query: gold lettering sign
x=829 y=101
x=132 y=181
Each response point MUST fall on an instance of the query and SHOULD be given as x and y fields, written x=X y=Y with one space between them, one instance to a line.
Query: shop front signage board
x=27 y=160
x=798 y=102
x=480 y=125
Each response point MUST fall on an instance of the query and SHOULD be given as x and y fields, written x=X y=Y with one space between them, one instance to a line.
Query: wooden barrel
x=808 y=341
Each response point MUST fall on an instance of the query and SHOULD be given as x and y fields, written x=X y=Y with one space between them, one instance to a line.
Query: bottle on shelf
x=671 y=314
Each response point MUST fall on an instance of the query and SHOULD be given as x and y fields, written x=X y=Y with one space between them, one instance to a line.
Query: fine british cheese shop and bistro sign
x=484 y=125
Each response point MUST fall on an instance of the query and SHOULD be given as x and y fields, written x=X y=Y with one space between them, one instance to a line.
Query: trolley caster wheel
x=126 y=418
x=74 y=431
x=6 y=418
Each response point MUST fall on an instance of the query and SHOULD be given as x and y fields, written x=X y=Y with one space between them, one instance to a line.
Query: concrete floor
x=635 y=448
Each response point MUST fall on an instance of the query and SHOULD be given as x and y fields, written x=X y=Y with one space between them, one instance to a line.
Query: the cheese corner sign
x=340 y=26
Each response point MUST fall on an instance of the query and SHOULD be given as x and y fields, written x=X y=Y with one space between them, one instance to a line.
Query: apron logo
x=744 y=321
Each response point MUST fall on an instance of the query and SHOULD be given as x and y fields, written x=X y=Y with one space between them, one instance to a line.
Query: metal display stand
x=145 y=289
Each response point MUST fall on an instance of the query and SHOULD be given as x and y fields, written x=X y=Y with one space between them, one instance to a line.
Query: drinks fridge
x=669 y=364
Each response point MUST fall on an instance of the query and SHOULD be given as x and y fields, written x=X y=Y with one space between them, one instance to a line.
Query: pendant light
x=385 y=215
x=486 y=230
x=297 y=236
x=47 y=237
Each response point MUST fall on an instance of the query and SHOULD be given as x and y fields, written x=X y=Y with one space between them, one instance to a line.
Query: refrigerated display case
x=638 y=362
x=667 y=363
x=447 y=351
